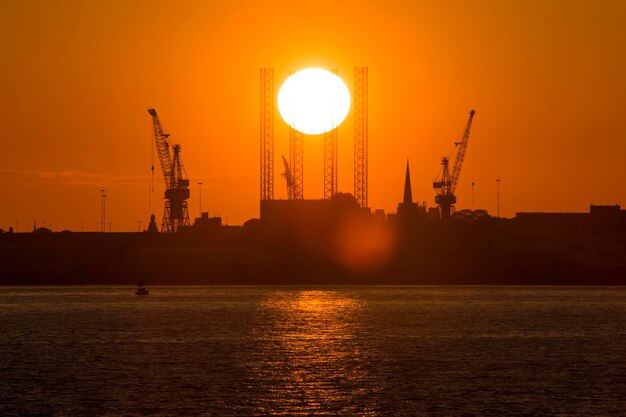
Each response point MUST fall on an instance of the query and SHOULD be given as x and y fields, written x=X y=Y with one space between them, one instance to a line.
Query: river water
x=367 y=351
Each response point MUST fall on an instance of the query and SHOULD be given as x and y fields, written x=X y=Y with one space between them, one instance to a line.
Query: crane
x=176 y=212
x=445 y=185
x=292 y=191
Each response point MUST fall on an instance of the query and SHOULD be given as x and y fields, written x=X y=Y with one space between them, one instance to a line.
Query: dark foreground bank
x=492 y=254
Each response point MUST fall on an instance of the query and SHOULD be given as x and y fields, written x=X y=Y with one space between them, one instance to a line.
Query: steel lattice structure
x=330 y=161
x=330 y=164
x=360 y=135
x=267 y=133
x=296 y=162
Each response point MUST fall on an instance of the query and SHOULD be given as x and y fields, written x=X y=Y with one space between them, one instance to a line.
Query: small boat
x=141 y=290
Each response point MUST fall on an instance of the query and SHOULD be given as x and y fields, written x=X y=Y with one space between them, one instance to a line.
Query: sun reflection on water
x=315 y=343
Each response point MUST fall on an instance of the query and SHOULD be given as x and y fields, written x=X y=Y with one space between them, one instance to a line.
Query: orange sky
x=547 y=79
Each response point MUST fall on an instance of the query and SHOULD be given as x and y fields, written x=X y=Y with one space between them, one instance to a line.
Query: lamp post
x=102 y=212
x=200 y=201
x=498 y=196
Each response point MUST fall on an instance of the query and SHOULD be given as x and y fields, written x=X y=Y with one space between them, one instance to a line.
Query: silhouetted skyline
x=545 y=77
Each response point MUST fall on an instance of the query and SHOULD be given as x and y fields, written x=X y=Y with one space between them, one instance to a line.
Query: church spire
x=408 y=195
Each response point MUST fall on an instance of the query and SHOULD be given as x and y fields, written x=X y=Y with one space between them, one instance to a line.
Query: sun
x=314 y=101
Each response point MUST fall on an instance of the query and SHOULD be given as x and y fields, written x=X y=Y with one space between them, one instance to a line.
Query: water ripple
x=366 y=351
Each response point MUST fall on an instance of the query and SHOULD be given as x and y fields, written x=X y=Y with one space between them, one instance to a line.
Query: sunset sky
x=547 y=80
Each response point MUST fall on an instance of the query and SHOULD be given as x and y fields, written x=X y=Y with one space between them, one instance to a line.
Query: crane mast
x=292 y=191
x=445 y=185
x=176 y=212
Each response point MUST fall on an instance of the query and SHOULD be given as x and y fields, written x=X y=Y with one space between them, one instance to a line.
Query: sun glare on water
x=314 y=101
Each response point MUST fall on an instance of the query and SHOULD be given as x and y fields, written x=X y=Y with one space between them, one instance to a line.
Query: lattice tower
x=330 y=160
x=267 y=133
x=330 y=164
x=296 y=162
x=360 y=135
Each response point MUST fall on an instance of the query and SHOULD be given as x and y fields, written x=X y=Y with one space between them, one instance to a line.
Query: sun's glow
x=314 y=101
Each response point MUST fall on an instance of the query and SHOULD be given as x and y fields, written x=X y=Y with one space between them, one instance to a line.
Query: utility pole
x=200 y=196
x=498 y=196
x=472 y=192
x=102 y=211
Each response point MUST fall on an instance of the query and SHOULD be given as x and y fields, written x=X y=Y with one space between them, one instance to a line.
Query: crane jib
x=460 y=153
